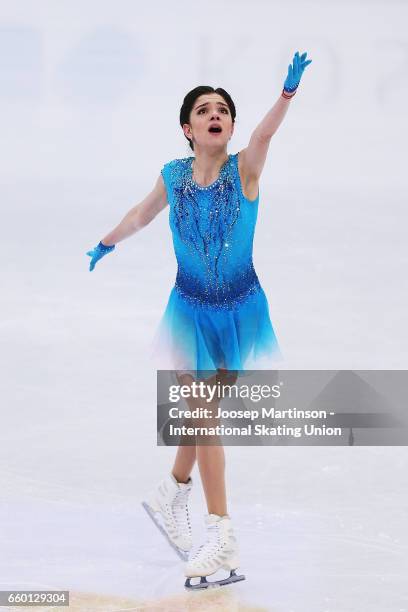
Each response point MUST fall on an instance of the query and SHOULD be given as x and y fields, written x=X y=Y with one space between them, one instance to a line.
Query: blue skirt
x=200 y=339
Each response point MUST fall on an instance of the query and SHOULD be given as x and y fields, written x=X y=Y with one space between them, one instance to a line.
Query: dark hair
x=192 y=96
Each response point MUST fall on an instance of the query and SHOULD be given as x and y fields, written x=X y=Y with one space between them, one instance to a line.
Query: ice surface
x=320 y=529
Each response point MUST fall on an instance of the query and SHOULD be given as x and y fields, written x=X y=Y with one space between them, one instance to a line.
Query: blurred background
x=90 y=94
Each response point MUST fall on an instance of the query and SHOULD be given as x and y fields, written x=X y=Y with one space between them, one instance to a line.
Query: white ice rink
x=320 y=529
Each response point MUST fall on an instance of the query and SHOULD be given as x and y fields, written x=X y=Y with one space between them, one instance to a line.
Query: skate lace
x=180 y=510
x=212 y=543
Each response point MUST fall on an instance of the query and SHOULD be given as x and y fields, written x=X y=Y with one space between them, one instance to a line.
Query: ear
x=187 y=130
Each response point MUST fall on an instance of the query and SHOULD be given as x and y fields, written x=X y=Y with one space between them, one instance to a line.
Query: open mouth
x=215 y=129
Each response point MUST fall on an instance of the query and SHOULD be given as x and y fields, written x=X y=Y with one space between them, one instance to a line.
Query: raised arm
x=254 y=155
x=138 y=217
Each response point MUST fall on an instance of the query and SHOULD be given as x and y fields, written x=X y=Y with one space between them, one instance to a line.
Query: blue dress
x=217 y=315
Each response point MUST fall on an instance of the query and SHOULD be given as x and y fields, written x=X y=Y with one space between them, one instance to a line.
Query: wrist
x=288 y=94
x=106 y=247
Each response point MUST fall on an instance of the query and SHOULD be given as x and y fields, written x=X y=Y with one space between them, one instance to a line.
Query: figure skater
x=216 y=322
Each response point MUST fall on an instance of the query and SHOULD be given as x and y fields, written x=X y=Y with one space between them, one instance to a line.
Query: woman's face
x=210 y=111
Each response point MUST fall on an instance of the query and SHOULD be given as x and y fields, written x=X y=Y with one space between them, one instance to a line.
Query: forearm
x=126 y=228
x=272 y=120
x=140 y=215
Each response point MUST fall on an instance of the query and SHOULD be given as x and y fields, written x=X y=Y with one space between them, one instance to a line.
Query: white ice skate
x=168 y=509
x=219 y=551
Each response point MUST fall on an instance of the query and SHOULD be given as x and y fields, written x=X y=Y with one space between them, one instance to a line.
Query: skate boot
x=168 y=509
x=219 y=551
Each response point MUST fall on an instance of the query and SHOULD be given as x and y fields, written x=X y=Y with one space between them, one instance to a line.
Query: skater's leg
x=220 y=551
x=211 y=459
x=209 y=451
x=210 y=456
x=184 y=463
x=186 y=453
x=211 y=463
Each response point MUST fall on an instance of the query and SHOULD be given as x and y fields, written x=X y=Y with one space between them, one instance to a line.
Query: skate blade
x=181 y=553
x=205 y=584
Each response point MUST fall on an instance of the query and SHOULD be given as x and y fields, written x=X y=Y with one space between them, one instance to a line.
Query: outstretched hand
x=295 y=71
x=97 y=253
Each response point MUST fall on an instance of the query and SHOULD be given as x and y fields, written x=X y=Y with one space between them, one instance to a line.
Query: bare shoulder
x=250 y=185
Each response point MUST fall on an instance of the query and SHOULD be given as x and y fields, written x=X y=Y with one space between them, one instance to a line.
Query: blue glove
x=295 y=72
x=97 y=253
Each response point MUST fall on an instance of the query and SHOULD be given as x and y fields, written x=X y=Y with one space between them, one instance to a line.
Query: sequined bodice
x=213 y=229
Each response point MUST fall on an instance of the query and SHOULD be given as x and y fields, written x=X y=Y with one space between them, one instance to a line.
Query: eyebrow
x=205 y=104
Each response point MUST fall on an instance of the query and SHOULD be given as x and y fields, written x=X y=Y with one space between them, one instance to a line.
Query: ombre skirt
x=200 y=340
